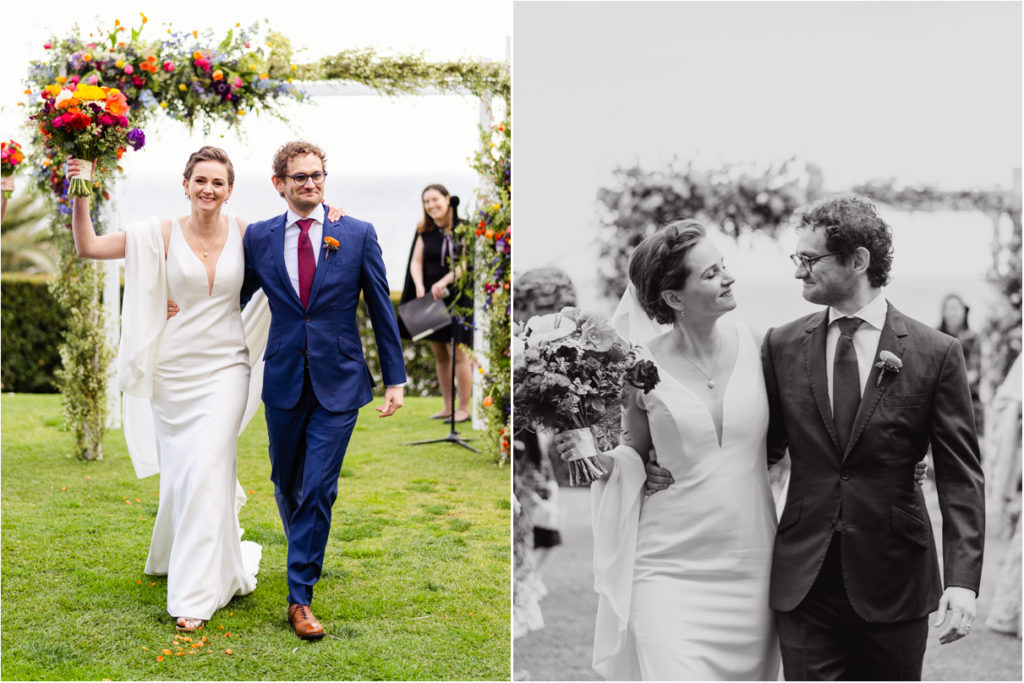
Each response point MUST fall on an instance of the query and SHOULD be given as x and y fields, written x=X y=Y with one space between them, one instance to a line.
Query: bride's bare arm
x=87 y=242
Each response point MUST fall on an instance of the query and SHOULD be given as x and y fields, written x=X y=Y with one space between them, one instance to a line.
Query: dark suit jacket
x=327 y=327
x=890 y=565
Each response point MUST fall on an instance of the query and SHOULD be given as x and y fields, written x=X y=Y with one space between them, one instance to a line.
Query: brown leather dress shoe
x=305 y=624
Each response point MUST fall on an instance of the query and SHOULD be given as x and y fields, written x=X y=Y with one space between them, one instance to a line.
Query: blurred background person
x=955 y=323
x=434 y=266
x=1005 y=614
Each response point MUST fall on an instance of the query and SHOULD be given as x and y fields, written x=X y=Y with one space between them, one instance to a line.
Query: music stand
x=453 y=436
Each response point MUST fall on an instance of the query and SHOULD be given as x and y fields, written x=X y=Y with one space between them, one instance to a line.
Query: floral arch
x=194 y=79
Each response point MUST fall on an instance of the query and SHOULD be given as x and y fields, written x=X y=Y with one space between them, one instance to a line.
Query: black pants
x=823 y=639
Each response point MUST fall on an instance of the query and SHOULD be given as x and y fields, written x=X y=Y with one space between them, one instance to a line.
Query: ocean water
x=390 y=201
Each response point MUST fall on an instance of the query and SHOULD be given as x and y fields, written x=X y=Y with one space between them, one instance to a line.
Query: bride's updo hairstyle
x=210 y=153
x=659 y=263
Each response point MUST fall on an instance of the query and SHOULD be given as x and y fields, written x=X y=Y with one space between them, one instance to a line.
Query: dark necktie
x=845 y=380
x=307 y=263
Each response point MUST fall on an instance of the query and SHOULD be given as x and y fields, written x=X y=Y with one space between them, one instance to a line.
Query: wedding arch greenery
x=737 y=198
x=193 y=78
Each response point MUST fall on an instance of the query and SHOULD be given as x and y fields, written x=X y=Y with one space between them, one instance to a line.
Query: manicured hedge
x=32 y=327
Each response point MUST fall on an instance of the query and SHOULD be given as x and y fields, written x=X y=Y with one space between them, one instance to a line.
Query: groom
x=858 y=392
x=315 y=378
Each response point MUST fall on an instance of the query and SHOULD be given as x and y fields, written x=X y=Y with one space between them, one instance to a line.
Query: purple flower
x=221 y=88
x=136 y=138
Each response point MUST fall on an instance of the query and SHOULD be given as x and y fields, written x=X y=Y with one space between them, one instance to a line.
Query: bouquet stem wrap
x=584 y=467
x=81 y=185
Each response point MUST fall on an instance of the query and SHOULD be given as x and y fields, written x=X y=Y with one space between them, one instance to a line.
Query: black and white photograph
x=767 y=320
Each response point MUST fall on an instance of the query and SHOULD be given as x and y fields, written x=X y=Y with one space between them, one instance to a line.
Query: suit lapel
x=326 y=259
x=893 y=333
x=277 y=255
x=814 y=364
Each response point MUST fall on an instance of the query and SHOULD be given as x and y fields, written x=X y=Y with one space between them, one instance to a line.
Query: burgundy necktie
x=307 y=263
x=845 y=380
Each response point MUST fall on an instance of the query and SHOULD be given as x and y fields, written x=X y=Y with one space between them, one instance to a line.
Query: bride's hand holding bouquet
x=88 y=123
x=571 y=372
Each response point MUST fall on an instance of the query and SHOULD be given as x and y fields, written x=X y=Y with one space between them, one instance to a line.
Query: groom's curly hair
x=659 y=263
x=297 y=148
x=850 y=222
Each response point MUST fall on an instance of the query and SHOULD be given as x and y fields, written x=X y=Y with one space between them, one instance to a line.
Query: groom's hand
x=658 y=478
x=956 y=611
x=392 y=401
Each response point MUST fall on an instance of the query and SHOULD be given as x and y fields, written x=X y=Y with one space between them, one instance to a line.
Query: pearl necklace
x=714 y=369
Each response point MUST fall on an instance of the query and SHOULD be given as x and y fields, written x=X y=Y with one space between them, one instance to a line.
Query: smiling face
x=208 y=187
x=828 y=282
x=301 y=199
x=437 y=206
x=707 y=291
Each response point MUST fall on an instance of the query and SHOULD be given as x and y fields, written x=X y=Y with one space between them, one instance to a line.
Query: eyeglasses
x=300 y=179
x=808 y=261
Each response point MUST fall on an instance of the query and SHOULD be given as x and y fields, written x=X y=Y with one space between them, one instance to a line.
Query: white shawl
x=143 y=318
x=615 y=509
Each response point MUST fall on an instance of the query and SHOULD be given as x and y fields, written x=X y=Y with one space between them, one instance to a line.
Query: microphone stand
x=453 y=436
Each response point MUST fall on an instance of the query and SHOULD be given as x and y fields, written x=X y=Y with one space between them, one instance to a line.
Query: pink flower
x=58 y=121
x=48 y=46
x=94 y=79
x=73 y=80
x=107 y=120
x=238 y=81
x=138 y=82
x=168 y=66
x=129 y=69
x=122 y=121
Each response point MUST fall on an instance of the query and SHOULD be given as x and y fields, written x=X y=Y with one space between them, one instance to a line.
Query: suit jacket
x=889 y=562
x=326 y=329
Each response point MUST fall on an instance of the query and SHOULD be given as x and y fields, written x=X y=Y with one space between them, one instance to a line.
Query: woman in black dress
x=434 y=267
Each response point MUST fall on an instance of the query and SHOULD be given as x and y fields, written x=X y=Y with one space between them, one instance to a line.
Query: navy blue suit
x=316 y=378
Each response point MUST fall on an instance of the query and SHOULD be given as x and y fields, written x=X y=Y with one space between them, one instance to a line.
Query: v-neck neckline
x=216 y=263
x=719 y=436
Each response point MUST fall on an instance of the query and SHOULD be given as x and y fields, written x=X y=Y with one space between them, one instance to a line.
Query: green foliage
x=25 y=244
x=415 y=583
x=735 y=198
x=409 y=73
x=31 y=325
x=85 y=354
x=489 y=238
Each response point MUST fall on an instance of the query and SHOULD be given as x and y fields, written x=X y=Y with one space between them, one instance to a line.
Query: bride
x=186 y=381
x=683 y=575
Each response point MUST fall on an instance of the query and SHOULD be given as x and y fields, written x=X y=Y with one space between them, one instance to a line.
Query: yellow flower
x=60 y=79
x=241 y=112
x=264 y=76
x=182 y=87
x=55 y=89
x=119 y=63
x=90 y=92
x=195 y=34
x=117 y=22
x=144 y=19
x=294 y=67
x=496 y=206
x=163 y=105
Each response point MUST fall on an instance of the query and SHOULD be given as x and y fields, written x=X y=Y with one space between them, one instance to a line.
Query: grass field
x=415 y=583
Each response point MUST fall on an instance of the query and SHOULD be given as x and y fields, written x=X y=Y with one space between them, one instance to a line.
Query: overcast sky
x=923 y=92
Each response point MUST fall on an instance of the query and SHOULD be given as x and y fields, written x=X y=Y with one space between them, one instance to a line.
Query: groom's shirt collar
x=873 y=313
x=318 y=214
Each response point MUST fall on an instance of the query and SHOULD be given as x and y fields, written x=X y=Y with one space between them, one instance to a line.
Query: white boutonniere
x=888 y=362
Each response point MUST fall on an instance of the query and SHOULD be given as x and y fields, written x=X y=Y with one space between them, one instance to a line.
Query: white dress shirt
x=291 y=240
x=865 y=340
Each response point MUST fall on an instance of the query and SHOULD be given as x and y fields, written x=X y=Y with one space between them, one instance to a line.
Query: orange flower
x=195 y=34
x=159 y=658
x=117 y=103
x=87 y=57
x=60 y=79
x=166 y=651
x=229 y=652
x=144 y=19
x=218 y=75
x=151 y=59
x=331 y=242
x=488 y=401
x=197 y=54
x=489 y=234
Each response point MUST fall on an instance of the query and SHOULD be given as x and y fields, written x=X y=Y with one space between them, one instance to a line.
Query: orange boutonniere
x=330 y=244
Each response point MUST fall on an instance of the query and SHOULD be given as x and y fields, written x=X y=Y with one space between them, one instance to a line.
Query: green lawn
x=415 y=583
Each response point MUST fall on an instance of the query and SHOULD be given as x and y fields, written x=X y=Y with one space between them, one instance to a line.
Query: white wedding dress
x=198 y=377
x=683 y=574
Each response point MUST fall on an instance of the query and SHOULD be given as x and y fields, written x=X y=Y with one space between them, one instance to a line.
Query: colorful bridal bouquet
x=10 y=156
x=571 y=371
x=87 y=122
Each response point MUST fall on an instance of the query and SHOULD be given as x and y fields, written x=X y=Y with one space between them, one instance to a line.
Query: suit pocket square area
x=905 y=400
x=909 y=527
